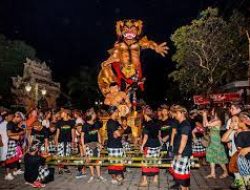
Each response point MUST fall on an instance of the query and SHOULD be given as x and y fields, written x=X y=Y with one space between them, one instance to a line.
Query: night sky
x=74 y=33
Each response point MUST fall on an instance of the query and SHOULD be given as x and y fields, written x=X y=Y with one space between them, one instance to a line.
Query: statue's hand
x=162 y=49
x=109 y=61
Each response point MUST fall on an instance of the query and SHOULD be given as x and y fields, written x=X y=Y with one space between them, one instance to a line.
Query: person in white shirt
x=78 y=117
x=3 y=133
x=229 y=137
x=46 y=120
x=234 y=109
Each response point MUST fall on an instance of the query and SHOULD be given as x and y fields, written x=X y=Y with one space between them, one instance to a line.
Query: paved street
x=68 y=182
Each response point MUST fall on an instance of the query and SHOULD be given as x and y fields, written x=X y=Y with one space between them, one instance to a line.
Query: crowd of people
x=218 y=136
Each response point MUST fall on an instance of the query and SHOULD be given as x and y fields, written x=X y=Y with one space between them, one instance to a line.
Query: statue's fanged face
x=129 y=29
x=129 y=33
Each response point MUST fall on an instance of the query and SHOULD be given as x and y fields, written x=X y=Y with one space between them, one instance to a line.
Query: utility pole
x=36 y=93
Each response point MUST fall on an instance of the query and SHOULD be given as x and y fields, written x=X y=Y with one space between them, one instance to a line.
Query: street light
x=44 y=91
x=28 y=88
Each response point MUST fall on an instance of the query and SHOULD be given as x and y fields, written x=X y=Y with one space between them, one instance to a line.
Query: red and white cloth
x=181 y=168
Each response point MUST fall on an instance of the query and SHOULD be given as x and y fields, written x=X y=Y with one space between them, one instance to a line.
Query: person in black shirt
x=52 y=138
x=15 y=132
x=243 y=141
x=126 y=135
x=182 y=148
x=64 y=136
x=114 y=146
x=151 y=145
x=173 y=123
x=35 y=171
x=165 y=127
x=243 y=145
x=41 y=134
x=52 y=130
x=91 y=141
x=126 y=139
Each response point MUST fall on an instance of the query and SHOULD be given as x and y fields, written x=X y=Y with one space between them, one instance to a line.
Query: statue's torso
x=130 y=58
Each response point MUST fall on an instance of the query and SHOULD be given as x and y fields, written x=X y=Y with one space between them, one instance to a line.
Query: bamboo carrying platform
x=133 y=159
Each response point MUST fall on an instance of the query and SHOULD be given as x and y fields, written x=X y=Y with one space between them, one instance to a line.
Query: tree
x=12 y=57
x=209 y=52
x=83 y=87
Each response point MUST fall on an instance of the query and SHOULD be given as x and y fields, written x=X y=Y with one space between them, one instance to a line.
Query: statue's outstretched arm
x=159 y=48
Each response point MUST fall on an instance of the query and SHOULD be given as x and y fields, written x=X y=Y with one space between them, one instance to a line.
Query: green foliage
x=209 y=52
x=12 y=57
x=84 y=86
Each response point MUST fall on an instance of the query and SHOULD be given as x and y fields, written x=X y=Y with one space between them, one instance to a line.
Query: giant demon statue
x=124 y=65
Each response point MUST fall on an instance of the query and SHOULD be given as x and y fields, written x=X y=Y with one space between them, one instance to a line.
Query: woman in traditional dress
x=215 y=153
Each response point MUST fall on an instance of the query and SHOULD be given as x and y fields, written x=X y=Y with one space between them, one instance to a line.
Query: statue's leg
x=117 y=70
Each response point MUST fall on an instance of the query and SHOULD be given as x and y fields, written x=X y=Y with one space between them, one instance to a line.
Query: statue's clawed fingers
x=163 y=44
